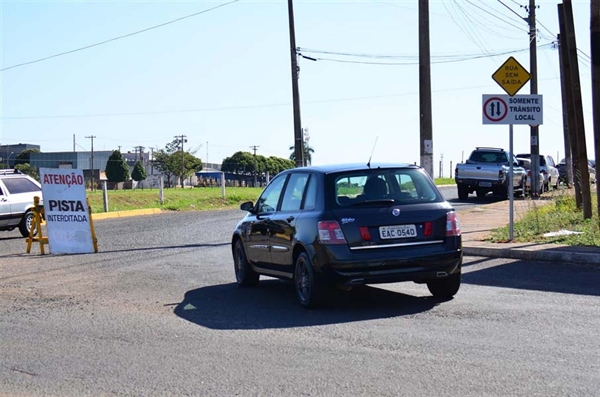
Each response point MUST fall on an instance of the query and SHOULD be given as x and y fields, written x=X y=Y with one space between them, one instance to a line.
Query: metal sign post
x=511 y=110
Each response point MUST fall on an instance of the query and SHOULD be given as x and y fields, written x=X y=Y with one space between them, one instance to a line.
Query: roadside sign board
x=507 y=109
x=66 y=211
x=511 y=76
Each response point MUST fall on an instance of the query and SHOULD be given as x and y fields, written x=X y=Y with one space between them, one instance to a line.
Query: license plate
x=485 y=184
x=397 y=231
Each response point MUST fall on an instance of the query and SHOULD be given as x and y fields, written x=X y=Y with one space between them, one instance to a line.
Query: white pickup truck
x=487 y=170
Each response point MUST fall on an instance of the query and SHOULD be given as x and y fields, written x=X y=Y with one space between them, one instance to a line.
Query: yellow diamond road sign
x=511 y=76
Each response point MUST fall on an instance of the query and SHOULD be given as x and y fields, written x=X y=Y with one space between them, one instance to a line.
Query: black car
x=350 y=225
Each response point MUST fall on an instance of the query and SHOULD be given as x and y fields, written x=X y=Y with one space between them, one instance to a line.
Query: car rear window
x=393 y=186
x=20 y=185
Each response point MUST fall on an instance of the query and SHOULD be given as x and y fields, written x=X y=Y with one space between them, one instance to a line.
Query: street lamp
x=8 y=159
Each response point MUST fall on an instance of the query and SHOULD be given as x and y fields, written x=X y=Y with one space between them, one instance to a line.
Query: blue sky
x=223 y=78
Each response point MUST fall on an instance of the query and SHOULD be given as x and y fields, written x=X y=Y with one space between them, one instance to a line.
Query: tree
x=25 y=156
x=241 y=163
x=139 y=172
x=307 y=153
x=117 y=169
x=29 y=170
x=186 y=166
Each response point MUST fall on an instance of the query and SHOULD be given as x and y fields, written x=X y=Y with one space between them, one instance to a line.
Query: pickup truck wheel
x=463 y=192
x=26 y=224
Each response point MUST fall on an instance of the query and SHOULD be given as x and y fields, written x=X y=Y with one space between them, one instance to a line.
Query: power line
x=333 y=100
x=118 y=37
x=468 y=58
x=511 y=10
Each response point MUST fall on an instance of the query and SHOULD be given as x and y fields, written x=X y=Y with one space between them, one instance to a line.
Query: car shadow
x=565 y=278
x=273 y=304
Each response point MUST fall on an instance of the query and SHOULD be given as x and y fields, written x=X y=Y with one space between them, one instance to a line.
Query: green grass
x=559 y=215
x=205 y=198
x=444 y=181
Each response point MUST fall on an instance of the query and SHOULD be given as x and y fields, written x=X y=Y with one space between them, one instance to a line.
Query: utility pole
x=152 y=160
x=565 y=84
x=595 y=54
x=577 y=129
x=73 y=143
x=298 y=150
x=182 y=139
x=533 y=85
x=91 y=137
x=255 y=163
x=206 y=154
x=425 y=89
x=138 y=149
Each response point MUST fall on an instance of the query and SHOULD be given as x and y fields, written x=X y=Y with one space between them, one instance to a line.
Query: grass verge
x=561 y=214
x=205 y=198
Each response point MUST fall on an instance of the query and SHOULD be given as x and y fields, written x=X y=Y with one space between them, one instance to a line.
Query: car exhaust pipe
x=441 y=274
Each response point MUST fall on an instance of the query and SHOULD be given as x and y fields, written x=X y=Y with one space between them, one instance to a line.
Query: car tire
x=445 y=287
x=520 y=191
x=245 y=276
x=26 y=224
x=308 y=290
x=463 y=192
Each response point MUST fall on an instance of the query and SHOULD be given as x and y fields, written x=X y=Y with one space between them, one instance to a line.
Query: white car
x=548 y=168
x=526 y=163
x=17 y=191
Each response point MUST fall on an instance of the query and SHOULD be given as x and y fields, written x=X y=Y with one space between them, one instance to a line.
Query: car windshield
x=384 y=187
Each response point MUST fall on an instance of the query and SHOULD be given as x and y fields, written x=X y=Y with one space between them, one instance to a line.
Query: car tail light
x=364 y=233
x=428 y=229
x=452 y=226
x=331 y=233
x=544 y=172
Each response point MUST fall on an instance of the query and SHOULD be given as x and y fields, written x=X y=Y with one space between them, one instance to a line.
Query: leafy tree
x=308 y=151
x=29 y=170
x=3 y=166
x=139 y=172
x=117 y=169
x=241 y=163
x=25 y=156
x=186 y=166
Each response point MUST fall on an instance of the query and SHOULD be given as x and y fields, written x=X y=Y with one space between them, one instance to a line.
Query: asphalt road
x=156 y=313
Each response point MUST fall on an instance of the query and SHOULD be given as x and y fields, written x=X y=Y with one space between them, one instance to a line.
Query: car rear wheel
x=308 y=292
x=445 y=287
x=27 y=223
x=244 y=274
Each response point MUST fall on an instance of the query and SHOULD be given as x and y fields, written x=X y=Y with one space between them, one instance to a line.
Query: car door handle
x=290 y=219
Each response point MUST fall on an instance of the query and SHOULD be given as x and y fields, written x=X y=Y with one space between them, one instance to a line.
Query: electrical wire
x=159 y=112
x=444 y=59
x=510 y=9
x=471 y=35
x=497 y=17
x=118 y=37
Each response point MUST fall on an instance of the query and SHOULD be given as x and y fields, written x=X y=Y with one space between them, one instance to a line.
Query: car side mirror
x=247 y=206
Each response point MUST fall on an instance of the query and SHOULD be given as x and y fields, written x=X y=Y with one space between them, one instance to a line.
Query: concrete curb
x=547 y=253
x=125 y=214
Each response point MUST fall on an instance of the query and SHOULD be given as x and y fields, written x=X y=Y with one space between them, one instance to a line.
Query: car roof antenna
x=370 y=157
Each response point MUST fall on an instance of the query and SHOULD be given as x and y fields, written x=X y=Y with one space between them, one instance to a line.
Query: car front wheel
x=445 y=287
x=27 y=223
x=245 y=276
x=309 y=293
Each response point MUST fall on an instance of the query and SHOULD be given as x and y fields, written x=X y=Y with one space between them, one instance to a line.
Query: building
x=9 y=153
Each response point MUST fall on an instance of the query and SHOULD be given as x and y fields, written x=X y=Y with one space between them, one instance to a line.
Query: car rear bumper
x=390 y=270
